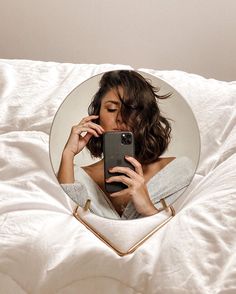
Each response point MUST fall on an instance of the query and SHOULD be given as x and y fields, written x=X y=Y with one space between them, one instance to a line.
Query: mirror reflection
x=136 y=148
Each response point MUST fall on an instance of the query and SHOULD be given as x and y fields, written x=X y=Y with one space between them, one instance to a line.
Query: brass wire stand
x=165 y=207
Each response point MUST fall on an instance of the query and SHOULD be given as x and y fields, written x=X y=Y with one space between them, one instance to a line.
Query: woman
x=125 y=101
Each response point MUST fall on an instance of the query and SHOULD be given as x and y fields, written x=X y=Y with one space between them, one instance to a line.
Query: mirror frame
x=83 y=214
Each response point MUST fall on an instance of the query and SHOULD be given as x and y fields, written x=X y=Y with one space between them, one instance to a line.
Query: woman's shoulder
x=94 y=165
x=164 y=161
x=94 y=171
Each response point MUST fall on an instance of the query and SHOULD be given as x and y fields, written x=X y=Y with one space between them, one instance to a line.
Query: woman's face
x=109 y=116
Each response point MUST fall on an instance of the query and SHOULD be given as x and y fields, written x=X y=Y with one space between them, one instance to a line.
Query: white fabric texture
x=44 y=249
x=169 y=183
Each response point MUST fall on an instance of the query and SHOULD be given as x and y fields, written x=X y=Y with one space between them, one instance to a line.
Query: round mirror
x=125 y=140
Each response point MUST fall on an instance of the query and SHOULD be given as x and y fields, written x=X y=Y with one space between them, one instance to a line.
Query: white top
x=169 y=183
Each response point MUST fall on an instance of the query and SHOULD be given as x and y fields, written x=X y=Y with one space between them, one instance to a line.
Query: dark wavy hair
x=140 y=112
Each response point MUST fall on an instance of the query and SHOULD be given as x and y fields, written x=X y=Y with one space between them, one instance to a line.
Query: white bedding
x=44 y=249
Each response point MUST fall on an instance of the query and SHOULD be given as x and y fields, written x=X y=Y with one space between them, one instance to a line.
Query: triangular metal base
x=123 y=236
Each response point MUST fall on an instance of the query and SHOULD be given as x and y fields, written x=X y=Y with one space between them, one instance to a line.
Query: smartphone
x=116 y=145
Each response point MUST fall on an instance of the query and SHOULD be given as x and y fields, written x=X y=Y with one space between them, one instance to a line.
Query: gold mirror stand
x=165 y=207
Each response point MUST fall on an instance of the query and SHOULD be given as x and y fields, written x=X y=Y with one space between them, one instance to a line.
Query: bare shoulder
x=93 y=166
x=166 y=160
x=95 y=170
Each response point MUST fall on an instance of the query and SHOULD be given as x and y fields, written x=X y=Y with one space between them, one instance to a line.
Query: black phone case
x=114 y=152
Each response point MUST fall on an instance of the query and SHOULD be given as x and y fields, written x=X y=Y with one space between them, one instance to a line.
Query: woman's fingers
x=86 y=125
x=76 y=141
x=128 y=171
x=97 y=127
x=123 y=170
x=88 y=120
x=89 y=130
x=87 y=137
x=123 y=179
x=137 y=165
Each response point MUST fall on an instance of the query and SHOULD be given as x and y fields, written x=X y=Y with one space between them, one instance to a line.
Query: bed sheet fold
x=44 y=249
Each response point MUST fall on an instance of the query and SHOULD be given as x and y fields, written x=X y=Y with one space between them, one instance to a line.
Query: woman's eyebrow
x=113 y=101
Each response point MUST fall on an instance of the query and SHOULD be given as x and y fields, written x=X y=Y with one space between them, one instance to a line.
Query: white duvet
x=44 y=249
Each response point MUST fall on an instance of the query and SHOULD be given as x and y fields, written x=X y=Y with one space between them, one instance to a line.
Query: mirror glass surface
x=172 y=138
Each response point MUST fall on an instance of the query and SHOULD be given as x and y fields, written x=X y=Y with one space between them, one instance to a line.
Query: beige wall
x=196 y=36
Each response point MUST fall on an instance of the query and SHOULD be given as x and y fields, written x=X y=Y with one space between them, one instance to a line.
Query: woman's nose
x=119 y=118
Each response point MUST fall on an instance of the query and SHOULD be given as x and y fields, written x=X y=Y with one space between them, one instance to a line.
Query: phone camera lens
x=126 y=138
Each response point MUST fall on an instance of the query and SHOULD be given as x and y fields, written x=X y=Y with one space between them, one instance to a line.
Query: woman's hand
x=137 y=189
x=74 y=145
x=76 y=141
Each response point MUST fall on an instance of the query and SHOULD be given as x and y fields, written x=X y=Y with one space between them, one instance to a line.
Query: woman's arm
x=75 y=145
x=66 y=170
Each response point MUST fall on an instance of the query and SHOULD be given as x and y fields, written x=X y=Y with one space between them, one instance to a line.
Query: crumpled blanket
x=44 y=249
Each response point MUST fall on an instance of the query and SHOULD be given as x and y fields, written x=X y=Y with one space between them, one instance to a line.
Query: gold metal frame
x=135 y=246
